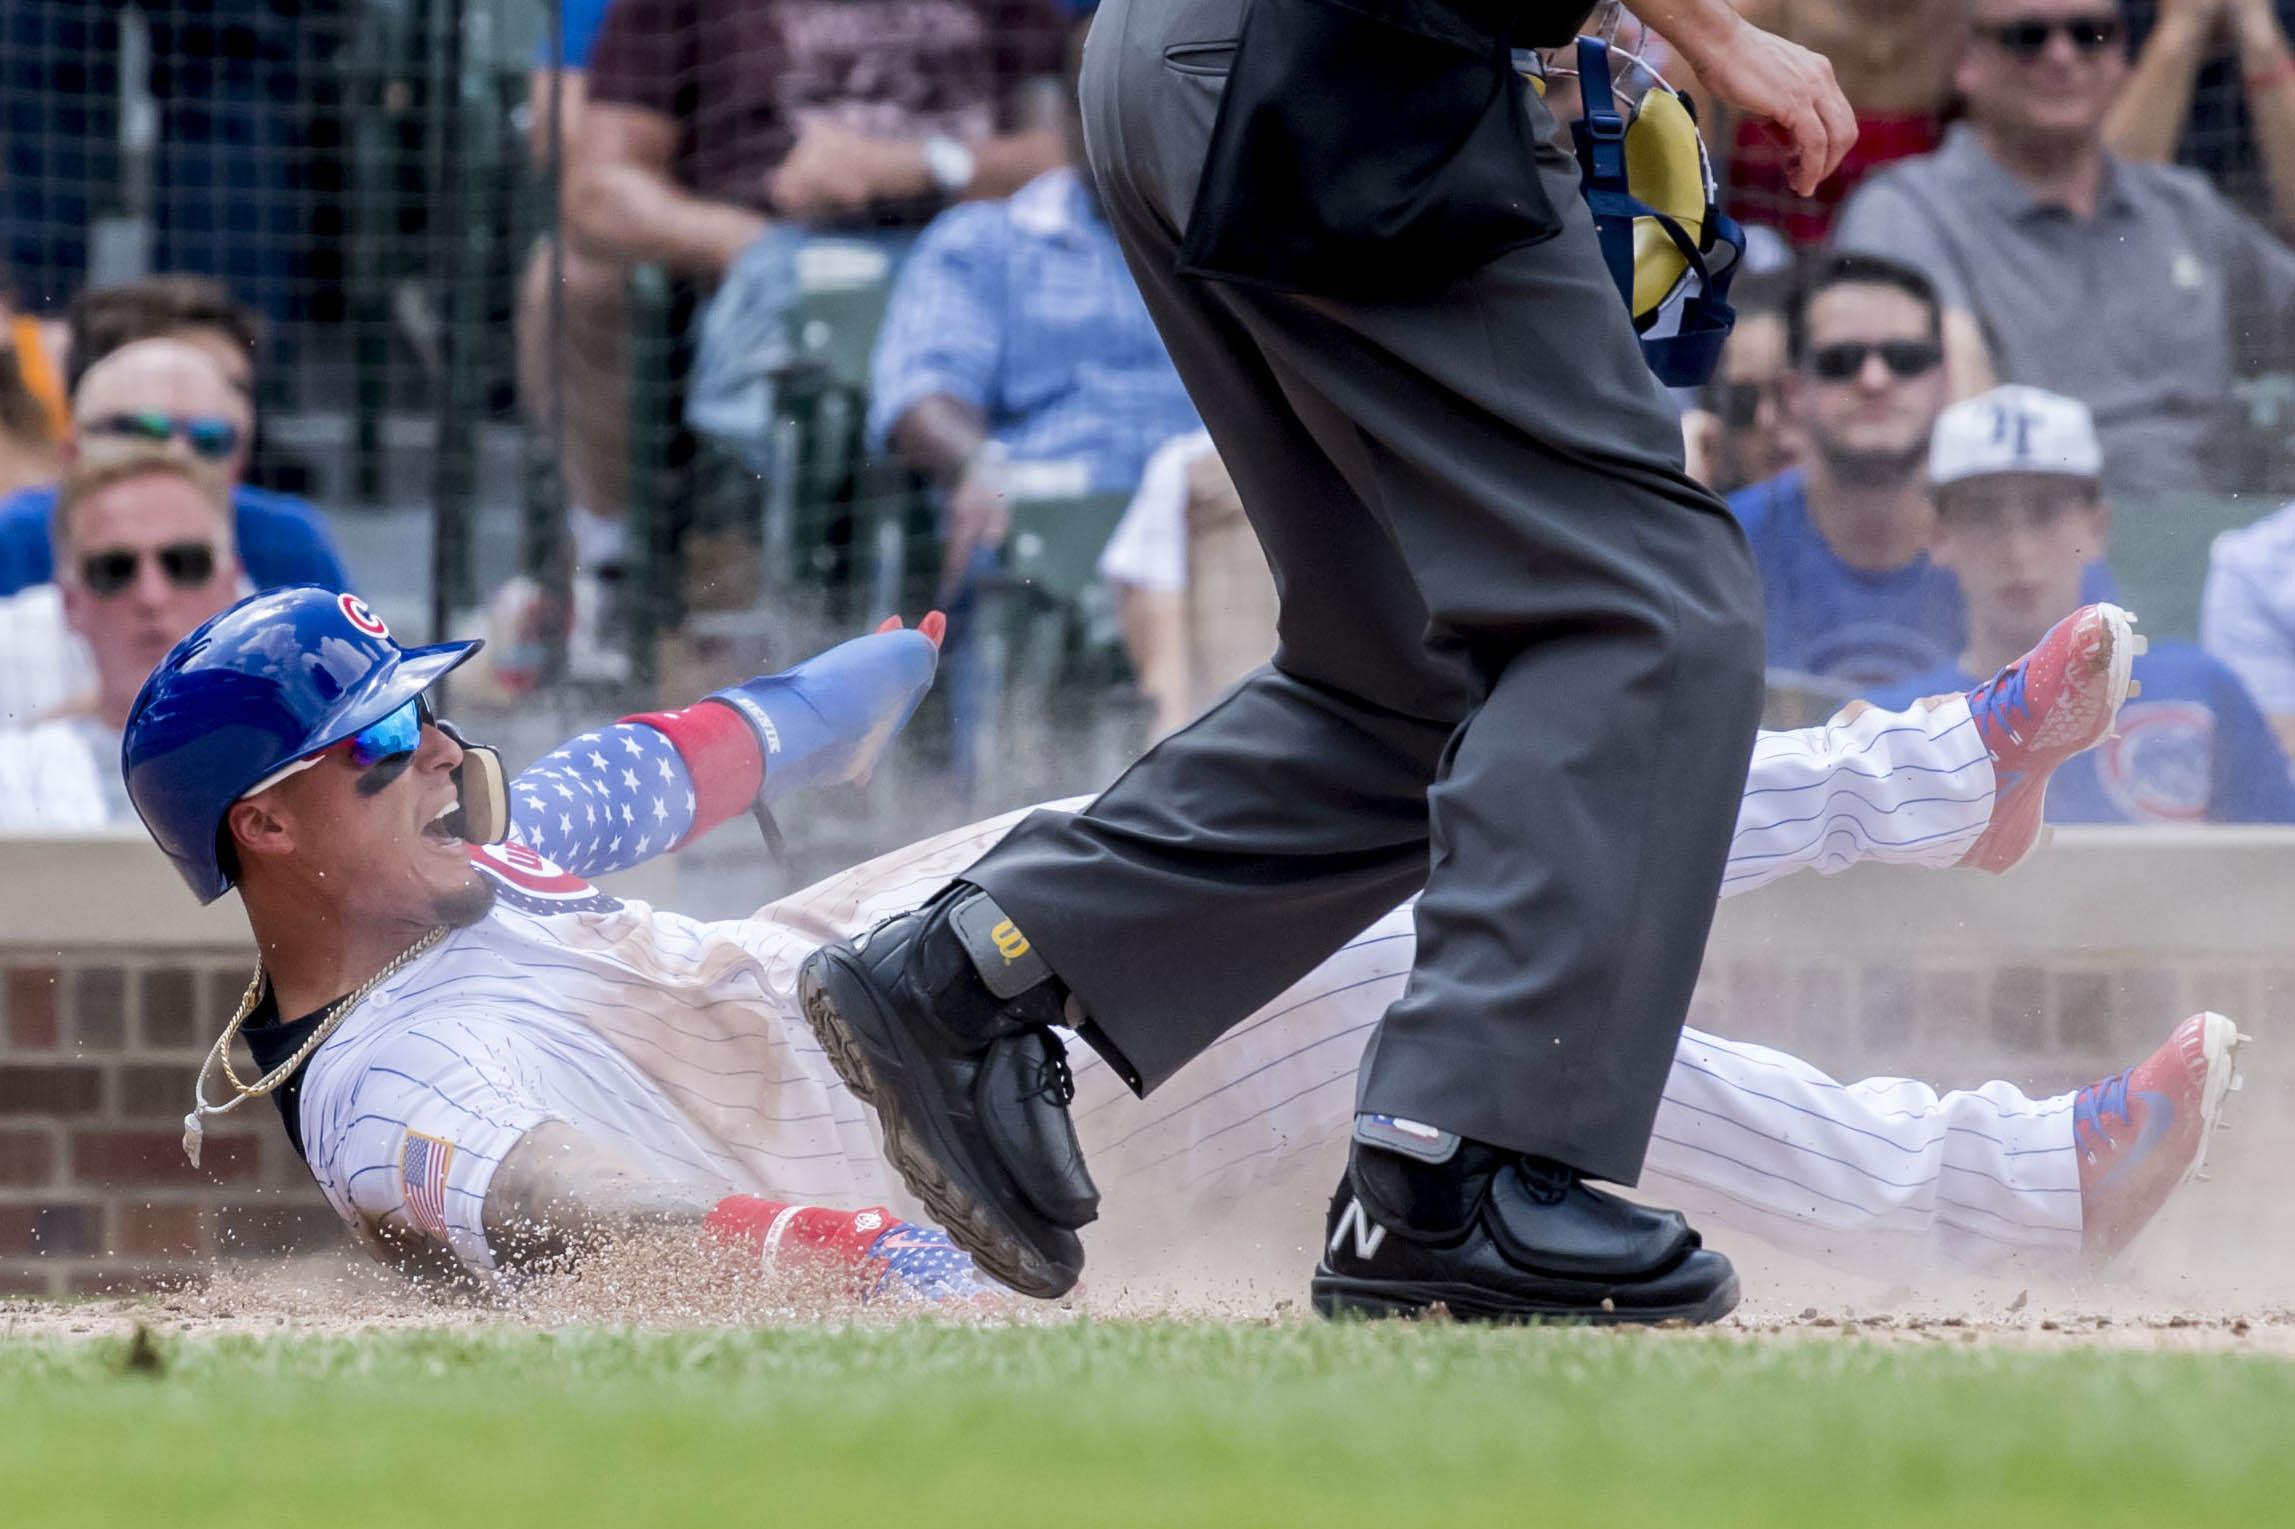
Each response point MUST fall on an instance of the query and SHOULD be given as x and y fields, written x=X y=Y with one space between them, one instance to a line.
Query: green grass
x=1117 y=1425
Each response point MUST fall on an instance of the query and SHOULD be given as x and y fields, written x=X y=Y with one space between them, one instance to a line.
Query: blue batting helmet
x=276 y=678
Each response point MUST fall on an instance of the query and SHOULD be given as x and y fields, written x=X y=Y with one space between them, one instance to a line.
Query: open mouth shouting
x=448 y=825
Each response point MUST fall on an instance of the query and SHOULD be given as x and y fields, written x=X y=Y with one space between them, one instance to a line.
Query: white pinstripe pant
x=679 y=1045
x=1746 y=1135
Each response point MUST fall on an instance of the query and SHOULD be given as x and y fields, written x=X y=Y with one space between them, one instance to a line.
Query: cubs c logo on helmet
x=356 y=613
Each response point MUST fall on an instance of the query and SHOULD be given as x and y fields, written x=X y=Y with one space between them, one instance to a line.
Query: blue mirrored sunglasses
x=378 y=742
x=211 y=437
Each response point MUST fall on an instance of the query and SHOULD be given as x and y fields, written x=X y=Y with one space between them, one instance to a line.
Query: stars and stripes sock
x=612 y=798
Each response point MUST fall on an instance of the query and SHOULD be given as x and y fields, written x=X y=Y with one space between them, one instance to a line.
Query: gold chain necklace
x=195 y=1123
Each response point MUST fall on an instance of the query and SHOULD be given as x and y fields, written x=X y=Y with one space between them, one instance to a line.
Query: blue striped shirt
x=1023 y=308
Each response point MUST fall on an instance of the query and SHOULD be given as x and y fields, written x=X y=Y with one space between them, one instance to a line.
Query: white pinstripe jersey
x=678 y=1044
x=662 y=1038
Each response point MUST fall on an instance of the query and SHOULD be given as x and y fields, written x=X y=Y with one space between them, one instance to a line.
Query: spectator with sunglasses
x=1842 y=540
x=1750 y=438
x=2136 y=288
x=174 y=391
x=144 y=554
x=2214 y=88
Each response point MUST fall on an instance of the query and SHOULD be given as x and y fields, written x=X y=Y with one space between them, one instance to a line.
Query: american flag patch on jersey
x=422 y=1176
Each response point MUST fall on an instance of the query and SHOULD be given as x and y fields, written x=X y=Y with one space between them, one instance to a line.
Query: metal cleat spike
x=2135 y=688
x=2140 y=645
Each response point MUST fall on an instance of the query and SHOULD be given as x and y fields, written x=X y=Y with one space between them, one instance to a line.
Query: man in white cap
x=2014 y=473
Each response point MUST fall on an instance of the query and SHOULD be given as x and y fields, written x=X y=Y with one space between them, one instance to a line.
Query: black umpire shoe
x=1533 y=1244
x=941 y=1019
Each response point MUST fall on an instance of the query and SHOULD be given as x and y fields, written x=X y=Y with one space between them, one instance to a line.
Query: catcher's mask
x=1649 y=184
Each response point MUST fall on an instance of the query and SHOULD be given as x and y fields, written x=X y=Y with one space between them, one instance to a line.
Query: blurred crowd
x=2004 y=362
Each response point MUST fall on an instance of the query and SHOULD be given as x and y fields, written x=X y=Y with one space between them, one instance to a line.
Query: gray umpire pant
x=1520 y=667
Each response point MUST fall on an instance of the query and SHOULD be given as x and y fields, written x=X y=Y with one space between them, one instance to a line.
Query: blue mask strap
x=1600 y=137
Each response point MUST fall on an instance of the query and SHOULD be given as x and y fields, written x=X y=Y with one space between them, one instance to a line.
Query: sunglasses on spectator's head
x=2028 y=39
x=381 y=749
x=211 y=437
x=1903 y=358
x=1738 y=404
x=187 y=565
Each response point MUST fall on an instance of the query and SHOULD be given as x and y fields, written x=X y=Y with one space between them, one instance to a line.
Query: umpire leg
x=1519 y=666
x=1520 y=662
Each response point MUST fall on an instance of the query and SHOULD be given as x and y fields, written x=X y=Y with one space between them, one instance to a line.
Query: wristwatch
x=949 y=163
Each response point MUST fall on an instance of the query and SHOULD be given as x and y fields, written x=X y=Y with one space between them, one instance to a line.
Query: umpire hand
x=1778 y=81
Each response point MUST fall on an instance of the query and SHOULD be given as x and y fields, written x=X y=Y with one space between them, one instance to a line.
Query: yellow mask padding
x=1665 y=166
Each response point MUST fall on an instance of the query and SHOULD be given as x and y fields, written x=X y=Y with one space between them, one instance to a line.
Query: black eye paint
x=377 y=778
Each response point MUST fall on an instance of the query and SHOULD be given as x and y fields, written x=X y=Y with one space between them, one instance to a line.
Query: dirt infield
x=2172 y=1296
x=2216 y=1271
x=281 y=1303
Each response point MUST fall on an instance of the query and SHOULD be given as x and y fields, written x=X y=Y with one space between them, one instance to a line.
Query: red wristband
x=786 y=1236
x=721 y=755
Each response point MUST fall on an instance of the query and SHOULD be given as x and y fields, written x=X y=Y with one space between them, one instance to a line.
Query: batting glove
x=885 y=1258
x=923 y=1263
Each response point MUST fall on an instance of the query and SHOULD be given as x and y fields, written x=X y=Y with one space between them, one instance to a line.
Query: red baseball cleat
x=2142 y=1133
x=2056 y=701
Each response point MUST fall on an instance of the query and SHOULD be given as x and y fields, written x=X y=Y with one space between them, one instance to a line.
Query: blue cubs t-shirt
x=281 y=540
x=1834 y=621
x=1852 y=625
x=2193 y=748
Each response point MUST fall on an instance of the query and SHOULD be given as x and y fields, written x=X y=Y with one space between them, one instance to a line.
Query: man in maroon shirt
x=709 y=123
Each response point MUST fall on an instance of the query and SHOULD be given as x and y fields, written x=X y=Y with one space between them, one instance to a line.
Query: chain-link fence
x=561 y=437
x=348 y=170
x=496 y=421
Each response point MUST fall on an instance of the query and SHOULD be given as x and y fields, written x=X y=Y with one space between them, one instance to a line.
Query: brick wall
x=97 y=1054
x=2069 y=969
x=2077 y=962
x=112 y=986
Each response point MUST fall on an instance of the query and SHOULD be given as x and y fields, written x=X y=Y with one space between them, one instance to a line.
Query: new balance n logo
x=1368 y=1234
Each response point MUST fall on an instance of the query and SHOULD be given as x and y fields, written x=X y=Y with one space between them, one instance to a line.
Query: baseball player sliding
x=481 y=1055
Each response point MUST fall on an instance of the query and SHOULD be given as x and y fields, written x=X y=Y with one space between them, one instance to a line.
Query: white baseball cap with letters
x=2014 y=429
